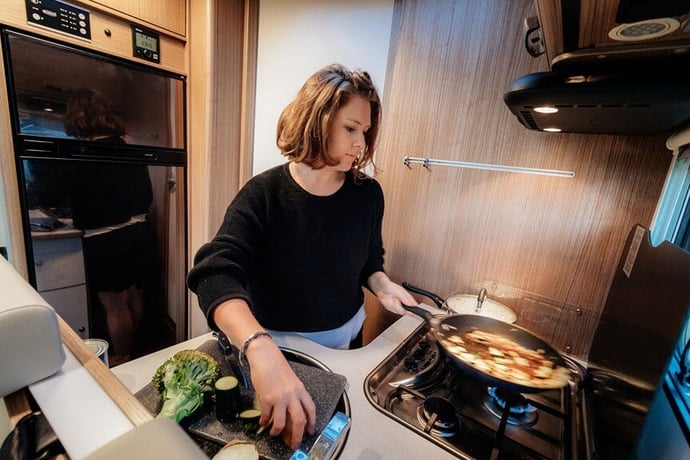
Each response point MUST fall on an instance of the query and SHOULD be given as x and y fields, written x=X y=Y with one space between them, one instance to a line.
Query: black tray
x=326 y=389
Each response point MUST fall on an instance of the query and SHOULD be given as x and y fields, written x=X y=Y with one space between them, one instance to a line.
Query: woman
x=110 y=203
x=299 y=241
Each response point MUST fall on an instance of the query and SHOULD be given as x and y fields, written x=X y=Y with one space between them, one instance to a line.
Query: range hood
x=615 y=67
x=643 y=104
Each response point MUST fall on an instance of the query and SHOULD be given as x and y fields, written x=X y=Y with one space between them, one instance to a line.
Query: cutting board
x=326 y=389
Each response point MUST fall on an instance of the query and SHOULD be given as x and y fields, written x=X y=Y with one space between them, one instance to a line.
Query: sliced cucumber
x=228 y=398
x=250 y=419
x=226 y=383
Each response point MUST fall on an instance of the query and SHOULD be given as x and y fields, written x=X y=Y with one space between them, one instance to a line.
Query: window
x=672 y=221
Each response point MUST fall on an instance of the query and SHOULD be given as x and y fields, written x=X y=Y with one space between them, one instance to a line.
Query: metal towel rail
x=407 y=161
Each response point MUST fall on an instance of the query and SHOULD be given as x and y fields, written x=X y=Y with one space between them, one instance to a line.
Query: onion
x=238 y=450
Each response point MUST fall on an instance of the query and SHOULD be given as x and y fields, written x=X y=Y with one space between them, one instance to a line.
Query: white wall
x=296 y=38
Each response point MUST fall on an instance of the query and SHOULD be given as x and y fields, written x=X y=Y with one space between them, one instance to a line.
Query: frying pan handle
x=440 y=303
x=419 y=311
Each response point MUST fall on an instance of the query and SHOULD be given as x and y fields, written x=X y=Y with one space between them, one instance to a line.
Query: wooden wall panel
x=545 y=246
x=549 y=12
x=9 y=187
x=219 y=118
x=596 y=19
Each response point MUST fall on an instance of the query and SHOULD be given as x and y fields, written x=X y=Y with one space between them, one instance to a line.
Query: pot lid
x=466 y=304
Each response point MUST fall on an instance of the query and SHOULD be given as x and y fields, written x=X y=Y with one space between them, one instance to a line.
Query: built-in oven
x=70 y=177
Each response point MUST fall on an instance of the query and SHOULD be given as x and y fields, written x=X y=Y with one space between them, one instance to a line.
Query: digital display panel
x=146 y=44
x=59 y=16
x=145 y=41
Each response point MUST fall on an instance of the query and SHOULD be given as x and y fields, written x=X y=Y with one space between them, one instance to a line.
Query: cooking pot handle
x=440 y=303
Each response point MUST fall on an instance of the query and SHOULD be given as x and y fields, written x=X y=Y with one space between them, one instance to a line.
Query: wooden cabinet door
x=169 y=14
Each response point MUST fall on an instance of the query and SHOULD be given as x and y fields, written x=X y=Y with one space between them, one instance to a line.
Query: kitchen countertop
x=373 y=436
x=83 y=416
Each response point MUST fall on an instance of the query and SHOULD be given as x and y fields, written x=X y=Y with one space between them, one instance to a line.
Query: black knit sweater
x=299 y=260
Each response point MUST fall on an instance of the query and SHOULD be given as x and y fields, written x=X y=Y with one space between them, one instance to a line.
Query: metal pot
x=445 y=327
x=468 y=304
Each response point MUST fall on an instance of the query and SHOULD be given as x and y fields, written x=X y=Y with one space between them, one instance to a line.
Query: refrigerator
x=104 y=215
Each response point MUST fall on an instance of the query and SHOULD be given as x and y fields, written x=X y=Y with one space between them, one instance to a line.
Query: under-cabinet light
x=545 y=109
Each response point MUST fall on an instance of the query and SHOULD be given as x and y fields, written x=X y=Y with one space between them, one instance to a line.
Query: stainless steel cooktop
x=417 y=386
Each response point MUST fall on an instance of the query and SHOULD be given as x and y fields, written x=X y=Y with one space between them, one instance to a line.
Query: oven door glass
x=75 y=207
x=44 y=75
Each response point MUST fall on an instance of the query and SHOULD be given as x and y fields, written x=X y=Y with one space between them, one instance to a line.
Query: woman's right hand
x=283 y=399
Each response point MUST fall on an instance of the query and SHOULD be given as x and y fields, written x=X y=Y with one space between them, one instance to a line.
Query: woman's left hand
x=391 y=295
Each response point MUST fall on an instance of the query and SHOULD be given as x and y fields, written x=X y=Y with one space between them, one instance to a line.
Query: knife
x=230 y=358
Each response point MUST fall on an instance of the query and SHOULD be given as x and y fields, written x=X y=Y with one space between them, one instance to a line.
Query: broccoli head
x=182 y=381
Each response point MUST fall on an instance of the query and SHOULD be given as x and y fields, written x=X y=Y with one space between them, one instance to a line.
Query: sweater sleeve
x=221 y=266
x=375 y=261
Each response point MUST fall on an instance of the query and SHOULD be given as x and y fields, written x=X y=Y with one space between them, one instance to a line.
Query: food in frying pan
x=504 y=359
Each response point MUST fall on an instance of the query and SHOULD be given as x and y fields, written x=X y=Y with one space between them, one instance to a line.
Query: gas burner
x=437 y=415
x=422 y=368
x=522 y=413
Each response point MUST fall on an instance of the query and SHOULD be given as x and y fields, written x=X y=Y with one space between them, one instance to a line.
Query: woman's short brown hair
x=303 y=125
x=91 y=113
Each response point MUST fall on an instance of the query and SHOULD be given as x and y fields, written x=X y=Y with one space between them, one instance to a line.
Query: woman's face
x=346 y=133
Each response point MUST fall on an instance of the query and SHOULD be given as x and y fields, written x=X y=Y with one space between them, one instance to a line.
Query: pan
x=449 y=329
x=468 y=304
